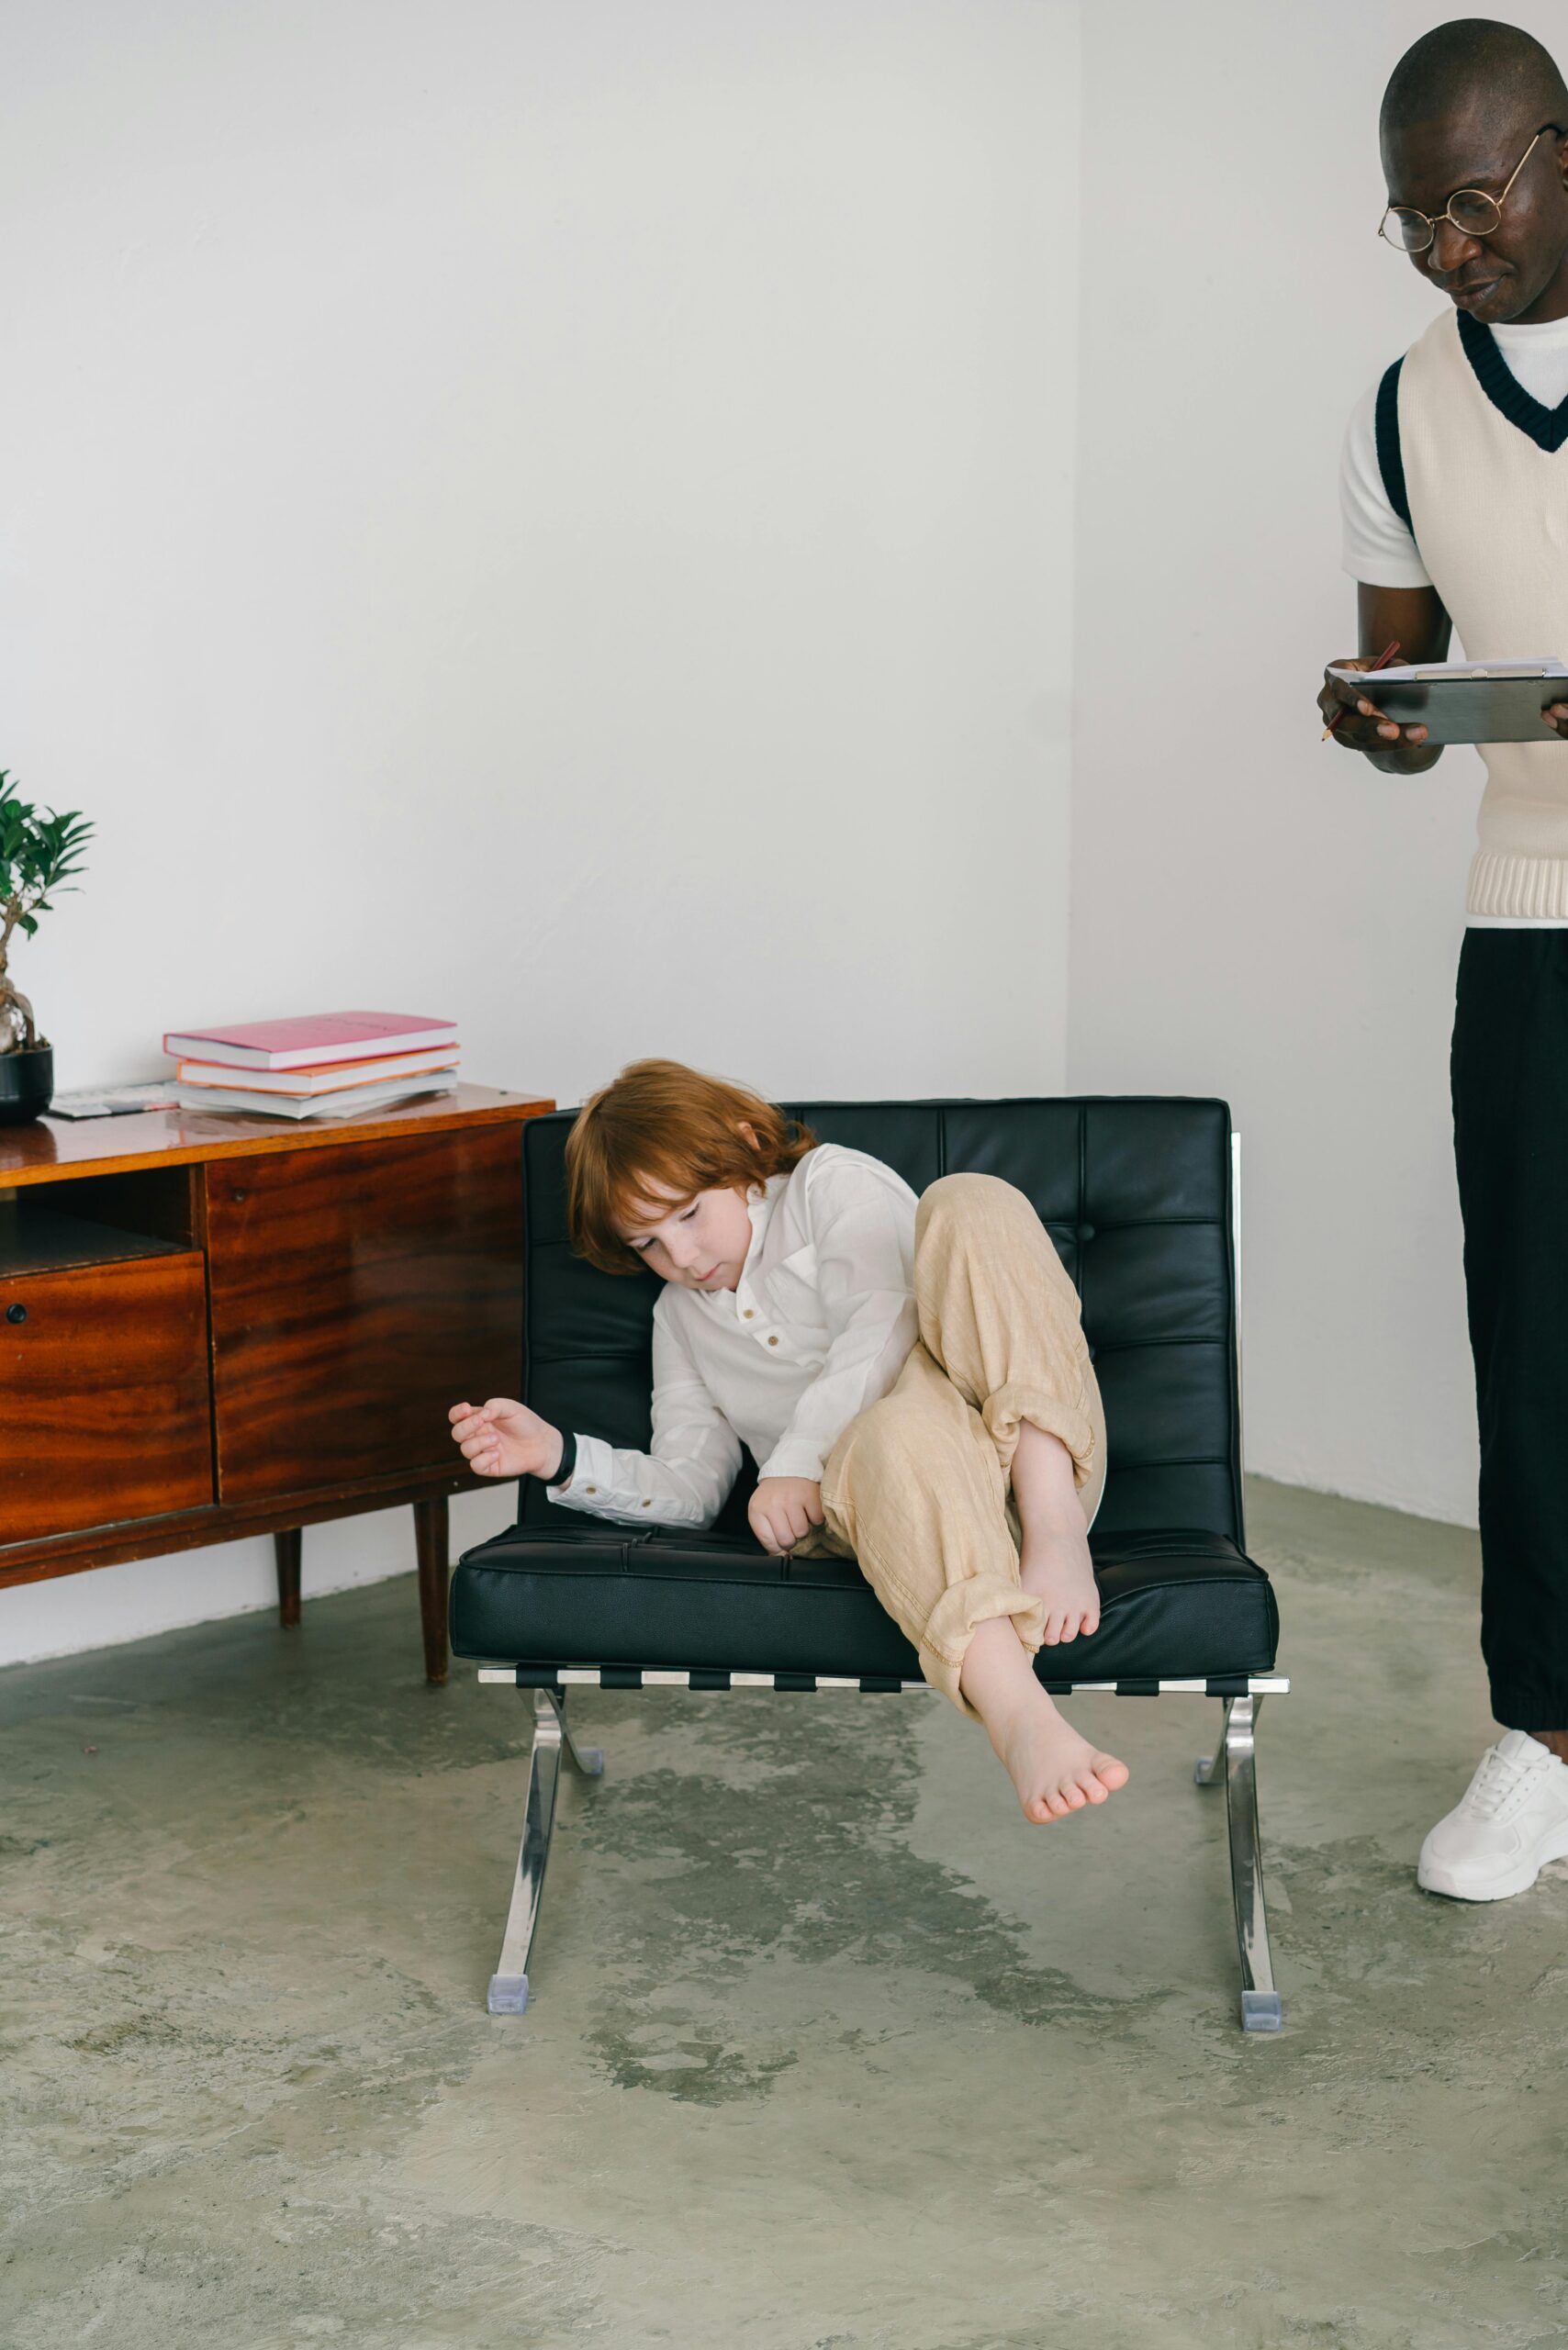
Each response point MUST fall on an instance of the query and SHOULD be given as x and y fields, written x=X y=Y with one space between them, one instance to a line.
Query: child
x=909 y=1377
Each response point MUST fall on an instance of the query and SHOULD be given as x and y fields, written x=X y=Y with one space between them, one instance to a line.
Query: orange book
x=329 y=1076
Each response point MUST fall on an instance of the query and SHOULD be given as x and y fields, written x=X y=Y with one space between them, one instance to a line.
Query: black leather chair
x=1140 y=1197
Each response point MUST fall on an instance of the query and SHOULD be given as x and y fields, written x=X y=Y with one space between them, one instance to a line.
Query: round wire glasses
x=1471 y=210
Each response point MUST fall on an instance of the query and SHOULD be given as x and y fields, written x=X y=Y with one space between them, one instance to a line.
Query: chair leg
x=1209 y=1769
x=508 y=1994
x=1237 y=1755
x=586 y=1761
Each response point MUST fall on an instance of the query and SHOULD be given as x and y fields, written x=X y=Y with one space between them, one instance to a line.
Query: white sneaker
x=1512 y=1820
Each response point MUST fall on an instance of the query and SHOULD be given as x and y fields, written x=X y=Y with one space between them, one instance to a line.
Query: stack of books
x=333 y=1065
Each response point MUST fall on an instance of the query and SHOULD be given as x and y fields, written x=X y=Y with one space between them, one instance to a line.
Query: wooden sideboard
x=214 y=1326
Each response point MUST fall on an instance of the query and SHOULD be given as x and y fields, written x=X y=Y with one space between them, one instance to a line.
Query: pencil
x=1384 y=658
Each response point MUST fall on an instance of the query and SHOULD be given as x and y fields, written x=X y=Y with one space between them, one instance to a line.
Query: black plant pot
x=27 y=1085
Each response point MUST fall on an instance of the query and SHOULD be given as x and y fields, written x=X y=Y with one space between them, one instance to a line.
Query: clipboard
x=1467 y=702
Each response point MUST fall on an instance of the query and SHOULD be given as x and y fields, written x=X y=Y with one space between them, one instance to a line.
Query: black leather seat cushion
x=1176 y=1605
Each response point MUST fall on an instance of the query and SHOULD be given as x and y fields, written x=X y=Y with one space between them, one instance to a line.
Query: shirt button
x=648 y=1505
x=773 y=1342
x=747 y=1313
x=590 y=1489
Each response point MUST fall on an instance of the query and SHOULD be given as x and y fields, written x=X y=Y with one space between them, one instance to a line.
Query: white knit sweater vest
x=1489 y=510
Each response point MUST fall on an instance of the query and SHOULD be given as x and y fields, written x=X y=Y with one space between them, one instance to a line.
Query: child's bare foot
x=1054 y=1770
x=1055 y=1565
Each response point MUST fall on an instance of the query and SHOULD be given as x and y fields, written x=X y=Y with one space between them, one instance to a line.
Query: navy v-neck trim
x=1547 y=426
x=1390 y=455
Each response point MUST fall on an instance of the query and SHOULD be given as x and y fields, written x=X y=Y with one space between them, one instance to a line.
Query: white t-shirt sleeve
x=1379 y=548
x=691 y=1462
x=862 y=1227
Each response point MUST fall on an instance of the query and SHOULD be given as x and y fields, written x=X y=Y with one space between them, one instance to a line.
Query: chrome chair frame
x=1236 y=1752
x=508 y=1994
x=1260 y=2009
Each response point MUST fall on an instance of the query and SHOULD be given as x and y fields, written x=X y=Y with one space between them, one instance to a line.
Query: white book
x=327 y=1106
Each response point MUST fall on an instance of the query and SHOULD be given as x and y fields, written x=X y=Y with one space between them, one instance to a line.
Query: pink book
x=301 y=1044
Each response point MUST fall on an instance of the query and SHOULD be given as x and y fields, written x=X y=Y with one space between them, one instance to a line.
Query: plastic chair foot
x=507 y=1994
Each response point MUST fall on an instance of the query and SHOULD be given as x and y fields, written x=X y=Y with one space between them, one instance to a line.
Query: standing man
x=1454 y=486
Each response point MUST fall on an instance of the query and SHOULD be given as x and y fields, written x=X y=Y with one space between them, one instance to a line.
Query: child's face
x=701 y=1243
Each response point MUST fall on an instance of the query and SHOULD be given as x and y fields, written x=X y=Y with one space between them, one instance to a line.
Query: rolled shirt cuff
x=795 y=1457
x=591 y=1470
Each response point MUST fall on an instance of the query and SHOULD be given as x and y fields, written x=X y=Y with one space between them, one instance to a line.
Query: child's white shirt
x=819 y=1325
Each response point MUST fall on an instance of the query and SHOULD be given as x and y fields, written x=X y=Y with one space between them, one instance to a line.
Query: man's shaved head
x=1457 y=114
x=1473 y=57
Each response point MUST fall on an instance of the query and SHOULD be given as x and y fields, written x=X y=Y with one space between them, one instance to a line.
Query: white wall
x=1255 y=913
x=555 y=514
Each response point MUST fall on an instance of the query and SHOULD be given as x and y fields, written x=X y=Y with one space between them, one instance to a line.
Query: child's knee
x=954 y=1204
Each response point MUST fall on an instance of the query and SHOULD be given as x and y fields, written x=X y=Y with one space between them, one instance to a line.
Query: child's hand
x=783 y=1511
x=505 y=1439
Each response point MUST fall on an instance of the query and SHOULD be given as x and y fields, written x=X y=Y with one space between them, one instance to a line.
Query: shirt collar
x=759 y=1207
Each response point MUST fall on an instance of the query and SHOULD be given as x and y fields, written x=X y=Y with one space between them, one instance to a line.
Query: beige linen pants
x=917 y=1488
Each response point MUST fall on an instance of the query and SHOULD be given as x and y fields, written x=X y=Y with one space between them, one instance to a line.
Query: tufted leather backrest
x=1137 y=1195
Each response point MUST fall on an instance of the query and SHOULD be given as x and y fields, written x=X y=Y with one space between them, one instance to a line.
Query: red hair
x=661 y=1123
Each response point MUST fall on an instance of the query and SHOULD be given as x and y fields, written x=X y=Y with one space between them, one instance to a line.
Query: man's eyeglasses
x=1471 y=210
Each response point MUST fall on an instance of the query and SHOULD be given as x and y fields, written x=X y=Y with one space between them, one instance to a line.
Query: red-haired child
x=910 y=1376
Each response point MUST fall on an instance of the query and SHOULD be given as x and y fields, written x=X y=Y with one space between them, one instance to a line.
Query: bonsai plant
x=38 y=850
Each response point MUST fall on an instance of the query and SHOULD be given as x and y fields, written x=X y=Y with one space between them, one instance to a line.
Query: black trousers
x=1510 y=1123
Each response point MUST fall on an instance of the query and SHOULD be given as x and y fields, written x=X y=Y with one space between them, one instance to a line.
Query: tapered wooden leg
x=430 y=1540
x=288 y=1546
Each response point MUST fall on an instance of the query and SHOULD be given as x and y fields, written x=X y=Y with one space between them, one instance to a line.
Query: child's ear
x=748 y=1135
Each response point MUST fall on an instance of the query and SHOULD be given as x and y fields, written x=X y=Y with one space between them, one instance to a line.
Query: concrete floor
x=828 y=2050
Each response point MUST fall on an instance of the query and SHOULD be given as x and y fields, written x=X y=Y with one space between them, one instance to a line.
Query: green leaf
x=39 y=849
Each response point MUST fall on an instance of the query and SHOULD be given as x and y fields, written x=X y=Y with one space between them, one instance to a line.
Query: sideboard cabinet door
x=356 y=1292
x=104 y=1413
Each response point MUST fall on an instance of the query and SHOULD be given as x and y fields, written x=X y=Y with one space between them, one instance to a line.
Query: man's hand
x=505 y=1439
x=1415 y=619
x=1556 y=714
x=1399 y=750
x=783 y=1511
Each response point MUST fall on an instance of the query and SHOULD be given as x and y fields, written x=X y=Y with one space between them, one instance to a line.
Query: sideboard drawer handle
x=15 y=1314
